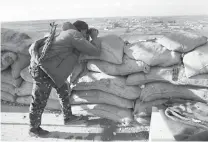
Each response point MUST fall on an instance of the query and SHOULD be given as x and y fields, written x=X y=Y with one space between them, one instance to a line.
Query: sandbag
x=7 y=96
x=26 y=89
x=111 y=50
x=144 y=109
x=179 y=130
x=189 y=112
x=99 y=97
x=78 y=69
x=15 y=41
x=166 y=74
x=104 y=111
x=8 y=88
x=21 y=62
x=26 y=100
x=128 y=66
x=6 y=77
x=196 y=62
x=110 y=84
x=4 y=67
x=159 y=90
x=7 y=58
x=152 y=54
x=51 y=104
x=182 y=41
x=26 y=75
x=53 y=94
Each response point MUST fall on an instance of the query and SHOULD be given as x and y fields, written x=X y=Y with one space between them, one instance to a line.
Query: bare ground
x=14 y=127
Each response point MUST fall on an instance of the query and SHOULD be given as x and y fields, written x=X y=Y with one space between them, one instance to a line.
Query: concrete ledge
x=159 y=130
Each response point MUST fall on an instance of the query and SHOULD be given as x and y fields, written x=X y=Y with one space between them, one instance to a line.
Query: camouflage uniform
x=59 y=62
x=41 y=90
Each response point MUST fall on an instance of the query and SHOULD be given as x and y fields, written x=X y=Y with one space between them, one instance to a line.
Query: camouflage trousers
x=41 y=90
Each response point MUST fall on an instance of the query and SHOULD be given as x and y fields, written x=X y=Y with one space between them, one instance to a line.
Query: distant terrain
x=122 y=26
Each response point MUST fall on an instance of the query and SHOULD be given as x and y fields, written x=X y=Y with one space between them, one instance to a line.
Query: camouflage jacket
x=63 y=54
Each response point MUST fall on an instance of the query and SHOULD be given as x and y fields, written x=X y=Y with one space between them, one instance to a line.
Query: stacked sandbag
x=159 y=90
x=173 y=74
x=26 y=75
x=101 y=90
x=6 y=77
x=8 y=92
x=128 y=66
x=110 y=84
x=157 y=93
x=101 y=97
x=8 y=85
x=7 y=58
x=182 y=41
x=7 y=97
x=110 y=92
x=167 y=78
x=152 y=53
x=21 y=62
x=112 y=50
x=196 y=61
x=15 y=41
x=15 y=56
x=16 y=82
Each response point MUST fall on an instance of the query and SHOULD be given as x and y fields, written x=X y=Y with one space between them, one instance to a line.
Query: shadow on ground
x=110 y=130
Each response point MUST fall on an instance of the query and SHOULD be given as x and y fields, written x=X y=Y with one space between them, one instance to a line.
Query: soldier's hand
x=97 y=42
x=93 y=33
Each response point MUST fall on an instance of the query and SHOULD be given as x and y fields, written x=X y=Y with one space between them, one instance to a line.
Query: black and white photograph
x=104 y=70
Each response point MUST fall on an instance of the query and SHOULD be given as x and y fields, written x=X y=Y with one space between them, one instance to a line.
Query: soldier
x=53 y=71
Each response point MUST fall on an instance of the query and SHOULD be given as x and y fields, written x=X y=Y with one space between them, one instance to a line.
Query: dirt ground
x=14 y=127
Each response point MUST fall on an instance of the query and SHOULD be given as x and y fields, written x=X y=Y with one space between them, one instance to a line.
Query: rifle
x=49 y=40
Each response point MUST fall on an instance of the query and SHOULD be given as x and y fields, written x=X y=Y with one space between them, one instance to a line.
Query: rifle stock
x=48 y=41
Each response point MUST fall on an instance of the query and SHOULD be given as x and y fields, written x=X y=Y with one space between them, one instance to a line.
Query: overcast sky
x=18 y=10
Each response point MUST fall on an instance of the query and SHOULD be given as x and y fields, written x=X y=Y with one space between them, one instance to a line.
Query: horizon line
x=100 y=17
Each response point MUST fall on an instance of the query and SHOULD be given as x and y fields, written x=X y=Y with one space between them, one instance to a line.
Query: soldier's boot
x=38 y=132
x=69 y=118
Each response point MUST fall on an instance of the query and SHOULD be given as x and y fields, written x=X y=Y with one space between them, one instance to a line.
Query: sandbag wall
x=14 y=57
x=124 y=82
x=187 y=80
x=103 y=83
x=171 y=66
x=16 y=82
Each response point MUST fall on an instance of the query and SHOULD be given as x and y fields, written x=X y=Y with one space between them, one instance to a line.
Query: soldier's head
x=81 y=27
